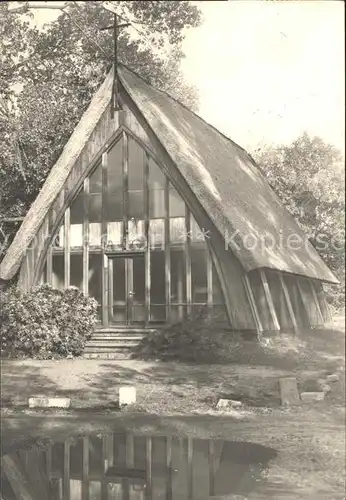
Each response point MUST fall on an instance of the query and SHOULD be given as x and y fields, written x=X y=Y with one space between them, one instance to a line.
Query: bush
x=45 y=322
x=193 y=340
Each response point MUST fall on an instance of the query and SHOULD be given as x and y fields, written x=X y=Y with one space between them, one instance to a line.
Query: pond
x=126 y=465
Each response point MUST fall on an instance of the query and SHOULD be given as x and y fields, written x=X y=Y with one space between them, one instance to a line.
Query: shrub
x=193 y=340
x=45 y=322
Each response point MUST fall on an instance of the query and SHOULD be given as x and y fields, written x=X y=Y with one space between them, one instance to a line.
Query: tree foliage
x=308 y=176
x=47 y=79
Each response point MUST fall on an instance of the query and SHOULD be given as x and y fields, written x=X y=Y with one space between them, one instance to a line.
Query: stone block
x=289 y=391
x=45 y=402
x=228 y=403
x=127 y=395
x=312 y=396
x=333 y=378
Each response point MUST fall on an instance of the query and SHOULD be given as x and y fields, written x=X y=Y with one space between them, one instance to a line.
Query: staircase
x=114 y=343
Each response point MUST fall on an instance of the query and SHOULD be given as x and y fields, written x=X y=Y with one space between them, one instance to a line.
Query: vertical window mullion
x=86 y=237
x=146 y=237
x=188 y=261
x=104 y=203
x=167 y=252
x=67 y=249
x=125 y=190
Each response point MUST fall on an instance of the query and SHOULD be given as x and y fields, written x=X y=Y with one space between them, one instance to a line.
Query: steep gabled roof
x=228 y=184
x=222 y=175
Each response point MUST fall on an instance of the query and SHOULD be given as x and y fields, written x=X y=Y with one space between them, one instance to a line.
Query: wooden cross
x=115 y=27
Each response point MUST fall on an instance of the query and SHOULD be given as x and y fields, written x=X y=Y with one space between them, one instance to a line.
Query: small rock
x=289 y=391
x=127 y=395
x=312 y=396
x=333 y=378
x=323 y=386
x=44 y=402
x=228 y=403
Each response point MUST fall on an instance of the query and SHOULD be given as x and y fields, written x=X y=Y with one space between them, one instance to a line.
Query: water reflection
x=127 y=466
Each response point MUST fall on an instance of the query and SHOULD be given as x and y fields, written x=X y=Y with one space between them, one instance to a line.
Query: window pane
x=196 y=234
x=76 y=235
x=114 y=233
x=177 y=231
x=178 y=277
x=157 y=271
x=95 y=273
x=95 y=182
x=58 y=271
x=76 y=278
x=115 y=168
x=157 y=178
x=115 y=206
x=95 y=234
x=58 y=239
x=77 y=209
x=156 y=204
x=156 y=232
x=95 y=208
x=136 y=204
x=217 y=291
x=176 y=204
x=199 y=276
x=136 y=157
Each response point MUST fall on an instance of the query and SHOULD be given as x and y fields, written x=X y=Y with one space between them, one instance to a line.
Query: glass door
x=126 y=290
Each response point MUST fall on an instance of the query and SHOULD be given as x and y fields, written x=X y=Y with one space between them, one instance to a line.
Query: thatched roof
x=222 y=175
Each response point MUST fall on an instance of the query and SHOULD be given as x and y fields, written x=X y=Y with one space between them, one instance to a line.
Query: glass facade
x=133 y=245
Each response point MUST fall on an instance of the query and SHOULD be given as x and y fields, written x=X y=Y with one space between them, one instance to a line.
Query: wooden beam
x=269 y=299
x=13 y=470
x=129 y=289
x=315 y=298
x=188 y=261
x=146 y=192
x=209 y=283
x=253 y=305
x=149 y=462
x=169 y=472
x=190 y=468
x=104 y=483
x=304 y=302
x=212 y=471
x=104 y=236
x=105 y=284
x=110 y=290
x=66 y=478
x=86 y=237
x=85 y=465
x=125 y=189
x=48 y=455
x=49 y=263
x=167 y=252
x=67 y=248
x=288 y=302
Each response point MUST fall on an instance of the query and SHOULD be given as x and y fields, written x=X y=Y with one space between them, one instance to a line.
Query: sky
x=267 y=71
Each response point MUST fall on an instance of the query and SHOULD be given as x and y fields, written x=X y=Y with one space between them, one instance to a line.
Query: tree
x=308 y=176
x=50 y=75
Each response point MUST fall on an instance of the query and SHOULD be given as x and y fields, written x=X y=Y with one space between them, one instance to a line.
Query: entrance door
x=126 y=290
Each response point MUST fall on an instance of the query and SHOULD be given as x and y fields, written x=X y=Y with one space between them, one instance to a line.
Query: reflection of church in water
x=125 y=466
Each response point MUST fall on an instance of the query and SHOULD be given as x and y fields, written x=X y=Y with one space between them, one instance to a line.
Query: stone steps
x=114 y=343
